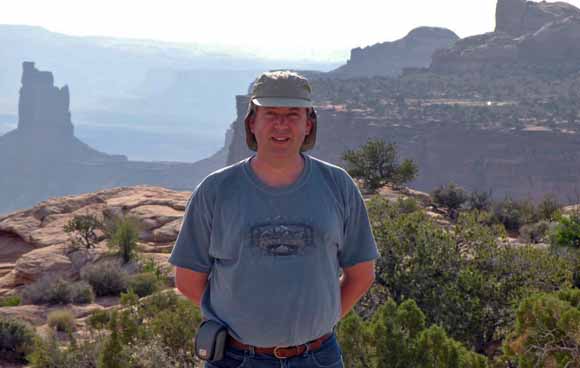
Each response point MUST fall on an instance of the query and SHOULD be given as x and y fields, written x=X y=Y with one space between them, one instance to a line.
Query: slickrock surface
x=33 y=242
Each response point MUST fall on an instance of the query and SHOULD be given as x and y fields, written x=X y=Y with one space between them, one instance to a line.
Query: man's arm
x=191 y=283
x=354 y=283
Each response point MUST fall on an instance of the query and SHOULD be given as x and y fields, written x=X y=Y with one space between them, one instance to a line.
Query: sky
x=272 y=27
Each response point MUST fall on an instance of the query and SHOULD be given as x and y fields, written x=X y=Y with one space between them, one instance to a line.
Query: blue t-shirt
x=274 y=254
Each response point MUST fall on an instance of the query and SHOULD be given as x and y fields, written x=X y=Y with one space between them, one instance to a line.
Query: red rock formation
x=33 y=242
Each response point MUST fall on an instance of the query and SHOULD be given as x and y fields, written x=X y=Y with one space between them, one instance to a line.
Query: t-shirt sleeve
x=191 y=248
x=358 y=241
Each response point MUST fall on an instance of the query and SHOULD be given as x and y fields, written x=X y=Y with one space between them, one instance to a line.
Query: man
x=263 y=241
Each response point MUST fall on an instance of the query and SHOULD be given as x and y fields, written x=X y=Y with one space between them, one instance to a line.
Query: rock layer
x=33 y=243
x=519 y=17
x=530 y=38
x=390 y=58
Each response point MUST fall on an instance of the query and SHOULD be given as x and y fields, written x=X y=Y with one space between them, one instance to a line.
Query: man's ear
x=309 y=125
x=251 y=122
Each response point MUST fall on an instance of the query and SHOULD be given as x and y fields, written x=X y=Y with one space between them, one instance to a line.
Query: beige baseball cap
x=281 y=89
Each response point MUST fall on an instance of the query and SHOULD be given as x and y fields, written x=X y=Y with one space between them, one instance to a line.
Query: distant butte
x=42 y=158
x=390 y=58
x=529 y=37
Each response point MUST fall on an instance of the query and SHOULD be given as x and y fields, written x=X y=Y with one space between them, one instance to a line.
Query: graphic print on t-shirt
x=282 y=239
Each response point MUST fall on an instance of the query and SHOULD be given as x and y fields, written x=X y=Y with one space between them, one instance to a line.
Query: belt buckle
x=275 y=352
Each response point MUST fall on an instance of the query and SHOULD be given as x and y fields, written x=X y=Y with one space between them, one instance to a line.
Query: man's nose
x=282 y=120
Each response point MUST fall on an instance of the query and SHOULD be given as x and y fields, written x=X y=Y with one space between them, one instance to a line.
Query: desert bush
x=16 y=339
x=534 y=233
x=49 y=290
x=377 y=164
x=143 y=284
x=82 y=293
x=151 y=354
x=480 y=201
x=398 y=336
x=123 y=234
x=50 y=353
x=407 y=205
x=112 y=354
x=10 y=301
x=546 y=331
x=61 y=320
x=82 y=229
x=514 y=213
x=463 y=279
x=106 y=278
x=451 y=197
x=549 y=208
x=99 y=319
x=566 y=233
x=149 y=265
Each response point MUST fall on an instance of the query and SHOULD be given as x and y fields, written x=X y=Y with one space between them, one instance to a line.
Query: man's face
x=280 y=131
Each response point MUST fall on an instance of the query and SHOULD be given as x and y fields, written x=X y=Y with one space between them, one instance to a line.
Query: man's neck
x=276 y=172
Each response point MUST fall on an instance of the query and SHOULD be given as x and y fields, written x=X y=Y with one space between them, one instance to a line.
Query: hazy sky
x=276 y=27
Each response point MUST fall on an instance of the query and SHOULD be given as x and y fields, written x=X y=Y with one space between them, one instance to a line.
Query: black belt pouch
x=210 y=341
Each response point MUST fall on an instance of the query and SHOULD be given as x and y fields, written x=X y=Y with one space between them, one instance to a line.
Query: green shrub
x=513 y=213
x=377 y=164
x=123 y=234
x=47 y=290
x=149 y=265
x=549 y=208
x=99 y=319
x=451 y=197
x=397 y=336
x=10 y=301
x=61 y=320
x=534 y=233
x=106 y=278
x=151 y=354
x=49 y=353
x=16 y=339
x=82 y=230
x=407 y=205
x=546 y=331
x=143 y=284
x=567 y=232
x=462 y=279
x=111 y=356
x=82 y=293
x=480 y=201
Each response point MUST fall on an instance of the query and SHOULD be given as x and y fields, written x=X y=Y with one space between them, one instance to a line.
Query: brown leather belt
x=281 y=352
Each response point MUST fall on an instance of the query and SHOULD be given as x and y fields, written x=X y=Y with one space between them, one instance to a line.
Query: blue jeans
x=328 y=356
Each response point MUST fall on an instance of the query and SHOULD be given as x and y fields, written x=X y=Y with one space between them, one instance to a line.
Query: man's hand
x=354 y=283
x=191 y=283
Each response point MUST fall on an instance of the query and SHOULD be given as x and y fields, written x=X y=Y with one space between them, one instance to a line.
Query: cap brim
x=281 y=102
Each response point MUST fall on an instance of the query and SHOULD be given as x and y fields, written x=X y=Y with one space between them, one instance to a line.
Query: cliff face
x=527 y=163
x=43 y=108
x=42 y=158
x=529 y=38
x=519 y=17
x=390 y=58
